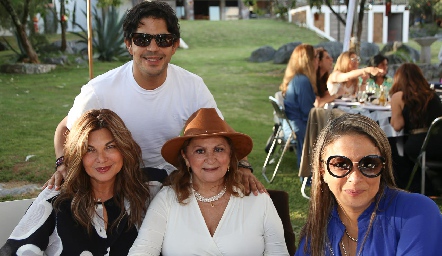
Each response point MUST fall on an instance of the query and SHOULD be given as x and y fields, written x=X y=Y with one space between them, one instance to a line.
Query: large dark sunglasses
x=370 y=166
x=162 y=40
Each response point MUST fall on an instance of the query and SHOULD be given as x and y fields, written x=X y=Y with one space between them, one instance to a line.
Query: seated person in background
x=102 y=201
x=355 y=207
x=374 y=82
x=204 y=210
x=325 y=66
x=346 y=75
x=414 y=106
x=299 y=90
x=381 y=62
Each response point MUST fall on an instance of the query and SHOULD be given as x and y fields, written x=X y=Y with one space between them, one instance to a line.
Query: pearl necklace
x=210 y=200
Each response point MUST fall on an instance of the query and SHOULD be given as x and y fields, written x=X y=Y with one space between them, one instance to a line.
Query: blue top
x=299 y=98
x=405 y=224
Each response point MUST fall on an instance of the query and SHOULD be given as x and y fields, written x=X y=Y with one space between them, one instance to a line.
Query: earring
x=188 y=169
x=228 y=169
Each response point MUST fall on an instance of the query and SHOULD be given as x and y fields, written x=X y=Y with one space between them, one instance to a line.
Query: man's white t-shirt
x=152 y=116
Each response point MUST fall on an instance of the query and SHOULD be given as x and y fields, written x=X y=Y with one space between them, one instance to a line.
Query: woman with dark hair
x=414 y=105
x=325 y=66
x=355 y=207
x=374 y=82
x=102 y=201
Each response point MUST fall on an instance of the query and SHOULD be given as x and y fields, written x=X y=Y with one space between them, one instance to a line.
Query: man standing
x=153 y=97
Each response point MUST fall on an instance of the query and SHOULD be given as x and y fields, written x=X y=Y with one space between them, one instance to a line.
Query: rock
x=18 y=190
x=26 y=68
x=284 y=52
x=367 y=51
x=3 y=47
x=263 y=54
x=334 y=49
x=400 y=47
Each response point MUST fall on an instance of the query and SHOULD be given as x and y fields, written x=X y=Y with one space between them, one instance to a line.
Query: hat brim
x=241 y=143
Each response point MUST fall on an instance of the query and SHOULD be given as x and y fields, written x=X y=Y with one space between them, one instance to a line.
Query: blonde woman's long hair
x=302 y=61
x=322 y=199
x=130 y=184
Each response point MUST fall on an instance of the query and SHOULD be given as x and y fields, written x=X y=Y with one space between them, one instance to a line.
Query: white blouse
x=250 y=225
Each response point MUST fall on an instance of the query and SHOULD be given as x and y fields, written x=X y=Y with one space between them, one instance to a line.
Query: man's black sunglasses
x=162 y=40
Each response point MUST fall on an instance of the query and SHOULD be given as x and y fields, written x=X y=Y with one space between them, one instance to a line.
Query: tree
x=359 y=16
x=20 y=26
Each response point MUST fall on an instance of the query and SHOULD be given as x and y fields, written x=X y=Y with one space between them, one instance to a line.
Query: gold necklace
x=343 y=248
x=349 y=236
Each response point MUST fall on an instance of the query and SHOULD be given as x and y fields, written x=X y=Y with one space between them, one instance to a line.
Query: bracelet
x=245 y=164
x=59 y=162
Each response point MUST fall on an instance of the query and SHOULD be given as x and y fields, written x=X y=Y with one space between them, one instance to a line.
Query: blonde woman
x=346 y=75
x=299 y=90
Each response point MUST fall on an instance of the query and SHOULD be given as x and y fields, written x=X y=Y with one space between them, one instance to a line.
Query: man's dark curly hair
x=154 y=9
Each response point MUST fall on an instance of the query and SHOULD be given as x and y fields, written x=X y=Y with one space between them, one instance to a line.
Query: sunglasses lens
x=371 y=166
x=162 y=40
x=339 y=166
x=141 y=39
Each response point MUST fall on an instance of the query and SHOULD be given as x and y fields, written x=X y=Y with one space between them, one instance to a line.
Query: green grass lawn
x=32 y=105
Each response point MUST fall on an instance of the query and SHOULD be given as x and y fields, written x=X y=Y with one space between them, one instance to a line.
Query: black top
x=44 y=230
x=414 y=141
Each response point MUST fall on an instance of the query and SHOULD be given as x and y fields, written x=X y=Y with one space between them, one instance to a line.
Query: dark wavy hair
x=417 y=93
x=375 y=61
x=180 y=180
x=151 y=9
x=321 y=81
x=130 y=184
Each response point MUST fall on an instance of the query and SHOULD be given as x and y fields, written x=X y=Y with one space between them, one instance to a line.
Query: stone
x=367 y=50
x=282 y=55
x=399 y=46
x=425 y=43
x=262 y=54
x=334 y=49
x=26 y=68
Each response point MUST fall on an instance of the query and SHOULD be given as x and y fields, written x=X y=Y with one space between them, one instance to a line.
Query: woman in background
x=299 y=90
x=325 y=67
x=102 y=201
x=414 y=106
x=374 y=82
x=347 y=75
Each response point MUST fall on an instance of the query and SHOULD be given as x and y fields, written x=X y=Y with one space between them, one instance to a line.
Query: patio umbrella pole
x=89 y=40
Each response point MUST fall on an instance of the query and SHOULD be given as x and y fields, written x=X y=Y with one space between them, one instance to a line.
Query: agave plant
x=108 y=41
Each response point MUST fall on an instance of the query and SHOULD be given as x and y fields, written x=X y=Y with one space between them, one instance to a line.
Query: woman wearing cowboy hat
x=204 y=210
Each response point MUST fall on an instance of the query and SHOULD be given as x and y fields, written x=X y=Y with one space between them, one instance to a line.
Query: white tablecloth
x=380 y=114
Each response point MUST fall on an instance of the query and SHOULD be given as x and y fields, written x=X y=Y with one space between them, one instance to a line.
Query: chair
x=434 y=131
x=437 y=88
x=280 y=199
x=317 y=119
x=11 y=213
x=278 y=138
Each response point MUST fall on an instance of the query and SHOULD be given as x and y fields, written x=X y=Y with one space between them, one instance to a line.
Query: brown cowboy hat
x=206 y=123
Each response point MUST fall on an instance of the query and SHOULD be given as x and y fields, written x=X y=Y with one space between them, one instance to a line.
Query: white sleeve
x=273 y=231
x=84 y=101
x=151 y=234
